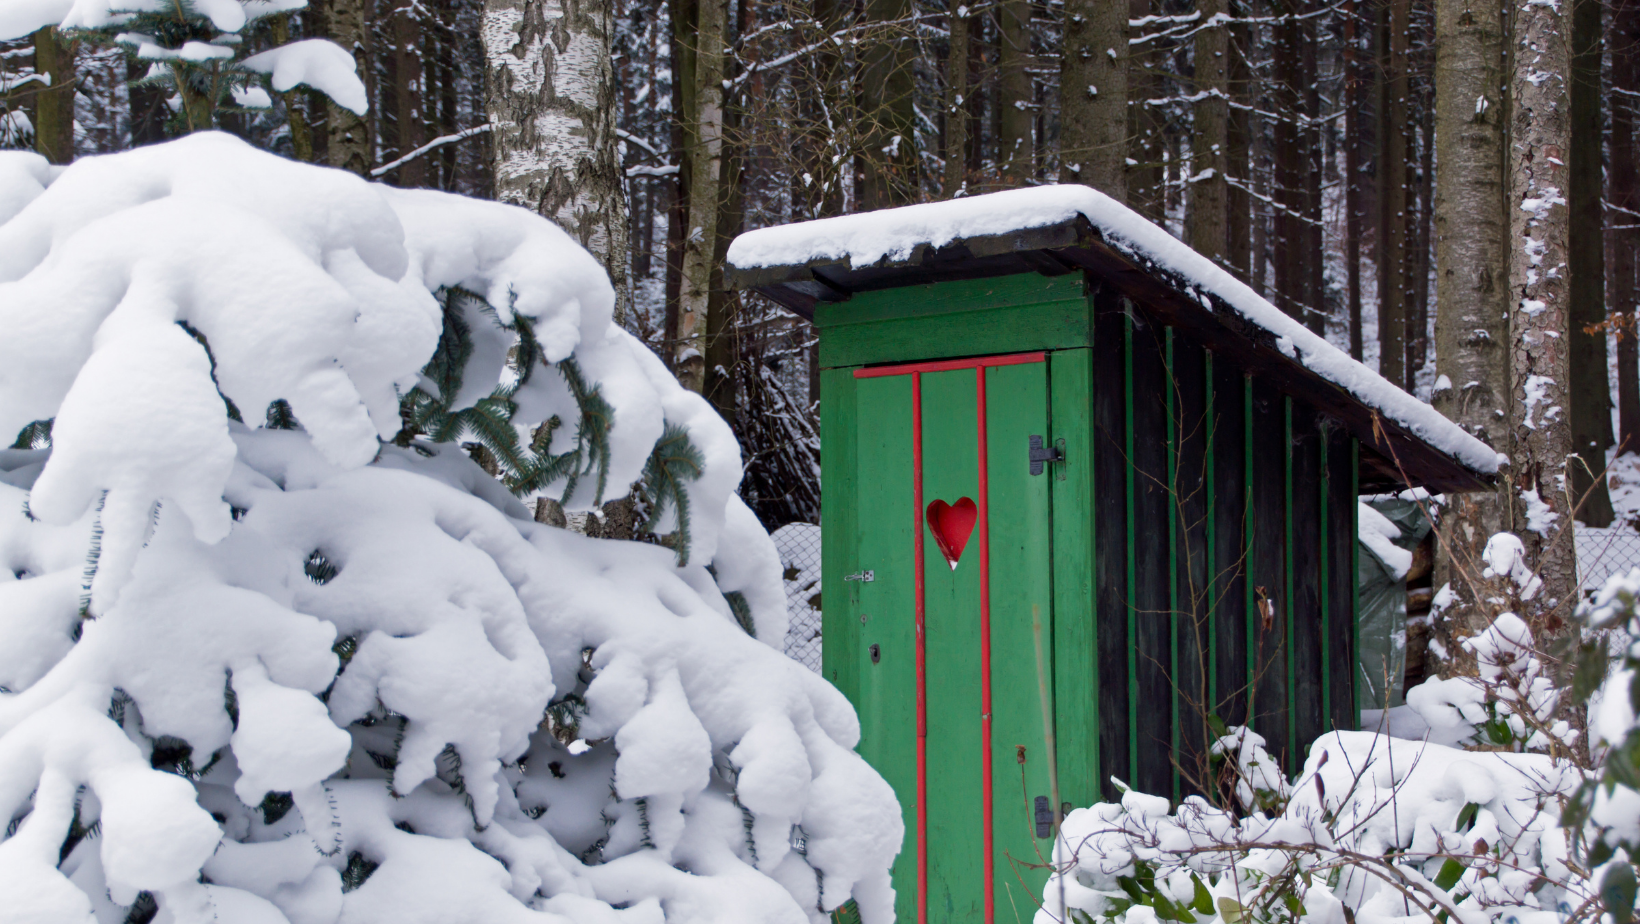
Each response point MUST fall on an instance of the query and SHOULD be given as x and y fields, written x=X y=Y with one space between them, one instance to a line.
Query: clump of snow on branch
x=268 y=675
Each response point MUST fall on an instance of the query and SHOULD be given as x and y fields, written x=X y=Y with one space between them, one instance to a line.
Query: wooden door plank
x=956 y=857
x=840 y=621
x=882 y=612
x=1232 y=523
x=1021 y=593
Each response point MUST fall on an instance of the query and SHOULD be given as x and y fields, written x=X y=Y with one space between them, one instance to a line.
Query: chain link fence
x=1603 y=551
x=799 y=546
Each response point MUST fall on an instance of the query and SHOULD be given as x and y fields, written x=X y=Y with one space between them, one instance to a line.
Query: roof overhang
x=1391 y=457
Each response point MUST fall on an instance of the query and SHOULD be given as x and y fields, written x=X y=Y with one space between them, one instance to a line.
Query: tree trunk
x=1093 y=96
x=1315 y=254
x=1625 y=199
x=1144 y=130
x=704 y=152
x=1392 y=202
x=889 y=174
x=301 y=136
x=1471 y=299
x=550 y=93
x=1209 y=200
x=1539 y=138
x=1419 y=341
x=1352 y=176
x=1591 y=396
x=956 y=112
x=408 y=92
x=54 y=105
x=1014 y=144
x=349 y=144
x=1287 y=96
x=1239 y=206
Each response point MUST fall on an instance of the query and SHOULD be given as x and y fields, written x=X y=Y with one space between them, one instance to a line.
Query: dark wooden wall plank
x=1192 y=592
x=1076 y=670
x=1304 y=578
x=1269 y=568
x=1152 y=593
x=1341 y=579
x=1231 y=522
x=1110 y=531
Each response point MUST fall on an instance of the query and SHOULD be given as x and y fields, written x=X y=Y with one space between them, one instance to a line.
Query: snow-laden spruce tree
x=268 y=653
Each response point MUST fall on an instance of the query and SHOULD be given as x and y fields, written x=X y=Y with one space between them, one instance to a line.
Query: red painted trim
x=946 y=365
x=985 y=649
x=922 y=686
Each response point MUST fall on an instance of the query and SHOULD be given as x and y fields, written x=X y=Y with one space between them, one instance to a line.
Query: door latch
x=1044 y=817
x=1041 y=454
x=864 y=577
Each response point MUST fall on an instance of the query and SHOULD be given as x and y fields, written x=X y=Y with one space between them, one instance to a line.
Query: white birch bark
x=549 y=90
x=705 y=153
x=1540 y=133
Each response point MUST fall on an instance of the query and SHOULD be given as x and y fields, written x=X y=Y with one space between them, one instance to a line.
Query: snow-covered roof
x=898 y=236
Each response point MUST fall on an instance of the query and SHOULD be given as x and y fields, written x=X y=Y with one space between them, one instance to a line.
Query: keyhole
x=876 y=654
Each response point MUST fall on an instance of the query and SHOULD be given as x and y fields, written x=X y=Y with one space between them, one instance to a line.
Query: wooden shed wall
x=1192 y=494
x=1223 y=541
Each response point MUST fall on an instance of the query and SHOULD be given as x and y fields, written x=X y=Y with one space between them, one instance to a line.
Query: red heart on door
x=951 y=525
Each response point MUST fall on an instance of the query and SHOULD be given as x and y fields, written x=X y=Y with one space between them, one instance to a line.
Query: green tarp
x=1382 y=610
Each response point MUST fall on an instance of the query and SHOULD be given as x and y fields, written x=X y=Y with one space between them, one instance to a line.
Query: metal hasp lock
x=1044 y=817
x=1041 y=454
x=864 y=577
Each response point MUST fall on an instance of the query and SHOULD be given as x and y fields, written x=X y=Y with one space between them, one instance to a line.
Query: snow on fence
x=799 y=545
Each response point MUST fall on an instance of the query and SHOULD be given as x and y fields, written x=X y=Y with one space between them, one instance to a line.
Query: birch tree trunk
x=1093 y=96
x=550 y=94
x=348 y=146
x=1209 y=218
x=1591 y=394
x=1471 y=286
x=1539 y=138
x=704 y=152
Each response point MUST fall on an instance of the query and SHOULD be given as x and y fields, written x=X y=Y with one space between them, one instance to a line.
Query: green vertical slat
x=1250 y=603
x=1075 y=622
x=1213 y=602
x=1173 y=446
x=1326 y=573
x=1132 y=569
x=1293 y=744
x=840 y=621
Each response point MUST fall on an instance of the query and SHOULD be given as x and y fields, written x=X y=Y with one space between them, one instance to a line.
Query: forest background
x=1446 y=189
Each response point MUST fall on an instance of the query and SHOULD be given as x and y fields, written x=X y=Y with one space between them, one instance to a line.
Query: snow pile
x=866 y=238
x=1374 y=830
x=1376 y=532
x=302 y=675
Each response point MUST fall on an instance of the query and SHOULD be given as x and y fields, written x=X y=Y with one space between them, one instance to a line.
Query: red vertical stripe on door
x=922 y=688
x=985 y=649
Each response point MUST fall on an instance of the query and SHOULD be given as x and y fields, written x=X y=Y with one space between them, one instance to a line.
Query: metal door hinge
x=865 y=577
x=1041 y=454
x=1044 y=817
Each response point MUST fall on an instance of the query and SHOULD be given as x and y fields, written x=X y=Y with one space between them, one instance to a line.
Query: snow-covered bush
x=300 y=671
x=1373 y=830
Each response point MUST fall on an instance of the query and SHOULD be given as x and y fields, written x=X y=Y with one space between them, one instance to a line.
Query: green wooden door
x=969 y=792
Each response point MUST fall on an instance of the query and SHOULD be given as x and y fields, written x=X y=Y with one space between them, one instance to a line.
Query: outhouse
x=1066 y=459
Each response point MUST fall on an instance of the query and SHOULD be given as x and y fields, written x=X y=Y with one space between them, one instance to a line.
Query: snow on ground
x=307 y=675
x=893 y=234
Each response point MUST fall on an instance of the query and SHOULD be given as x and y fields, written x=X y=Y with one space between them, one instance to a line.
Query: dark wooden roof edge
x=1391 y=455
